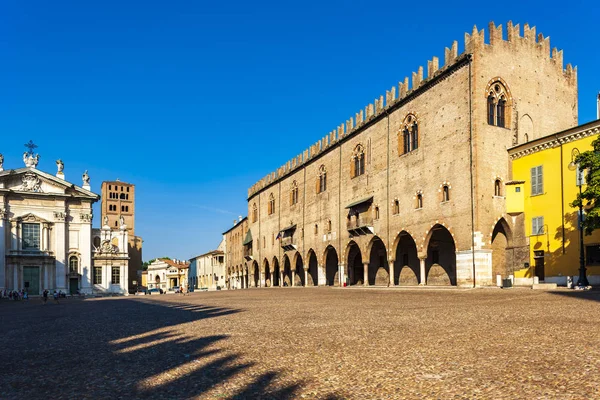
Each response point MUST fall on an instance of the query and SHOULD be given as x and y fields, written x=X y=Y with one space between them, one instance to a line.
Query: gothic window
x=396 y=206
x=122 y=196
x=294 y=193
x=409 y=140
x=376 y=213
x=498 y=101
x=322 y=182
x=254 y=213
x=31 y=236
x=316 y=229
x=271 y=204
x=328 y=226
x=358 y=161
x=73 y=264
x=445 y=193
x=419 y=203
x=497 y=188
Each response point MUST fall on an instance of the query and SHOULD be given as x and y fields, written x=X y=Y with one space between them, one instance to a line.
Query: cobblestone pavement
x=305 y=343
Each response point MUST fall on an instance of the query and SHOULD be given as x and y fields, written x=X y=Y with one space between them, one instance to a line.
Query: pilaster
x=3 y=226
x=366 y=274
x=60 y=251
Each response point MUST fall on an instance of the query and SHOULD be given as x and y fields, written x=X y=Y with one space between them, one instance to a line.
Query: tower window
x=445 y=193
x=410 y=134
x=498 y=100
x=358 y=161
x=271 y=209
x=497 y=188
x=419 y=203
x=396 y=206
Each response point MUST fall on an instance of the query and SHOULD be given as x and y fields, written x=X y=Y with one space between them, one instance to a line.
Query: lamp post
x=582 y=281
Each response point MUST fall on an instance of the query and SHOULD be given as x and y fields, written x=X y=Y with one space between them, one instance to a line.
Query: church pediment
x=30 y=217
x=34 y=181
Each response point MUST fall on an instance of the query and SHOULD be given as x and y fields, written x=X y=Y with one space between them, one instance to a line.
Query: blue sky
x=195 y=101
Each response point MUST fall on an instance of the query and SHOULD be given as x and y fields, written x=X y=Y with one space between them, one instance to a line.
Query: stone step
x=544 y=286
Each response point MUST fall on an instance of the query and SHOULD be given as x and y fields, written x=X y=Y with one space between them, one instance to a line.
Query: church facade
x=411 y=190
x=45 y=230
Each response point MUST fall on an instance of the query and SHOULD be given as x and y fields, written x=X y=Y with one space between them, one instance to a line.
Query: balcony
x=30 y=253
x=287 y=243
x=360 y=225
x=248 y=252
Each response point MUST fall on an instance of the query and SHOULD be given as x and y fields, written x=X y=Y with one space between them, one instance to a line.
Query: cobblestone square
x=305 y=343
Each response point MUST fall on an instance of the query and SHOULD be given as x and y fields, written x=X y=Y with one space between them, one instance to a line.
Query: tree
x=590 y=197
x=146 y=263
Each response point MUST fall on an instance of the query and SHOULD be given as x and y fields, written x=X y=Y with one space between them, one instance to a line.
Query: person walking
x=56 y=297
x=45 y=296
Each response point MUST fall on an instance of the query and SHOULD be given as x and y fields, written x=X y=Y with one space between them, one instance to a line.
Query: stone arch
x=266 y=273
x=255 y=274
x=299 y=279
x=287 y=271
x=275 y=273
x=525 y=132
x=440 y=264
x=501 y=241
x=406 y=260
x=379 y=270
x=331 y=266
x=313 y=268
x=354 y=264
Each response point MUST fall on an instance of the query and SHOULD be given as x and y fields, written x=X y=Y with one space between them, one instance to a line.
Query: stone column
x=342 y=274
x=293 y=278
x=391 y=269
x=321 y=278
x=305 y=277
x=280 y=277
x=262 y=279
x=3 y=226
x=366 y=274
x=422 y=277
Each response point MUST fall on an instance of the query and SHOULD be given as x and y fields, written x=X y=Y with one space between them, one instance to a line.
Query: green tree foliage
x=146 y=263
x=590 y=197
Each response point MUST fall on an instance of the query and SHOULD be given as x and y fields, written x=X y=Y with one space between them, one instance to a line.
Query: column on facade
x=60 y=255
x=293 y=283
x=366 y=274
x=422 y=277
x=16 y=277
x=391 y=269
x=18 y=236
x=322 y=281
x=3 y=226
x=342 y=274
x=262 y=279
x=305 y=277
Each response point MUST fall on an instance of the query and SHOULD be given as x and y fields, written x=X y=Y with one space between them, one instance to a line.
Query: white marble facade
x=166 y=274
x=45 y=230
x=110 y=259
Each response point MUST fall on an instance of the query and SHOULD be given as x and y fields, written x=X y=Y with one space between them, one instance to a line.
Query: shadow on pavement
x=591 y=295
x=121 y=348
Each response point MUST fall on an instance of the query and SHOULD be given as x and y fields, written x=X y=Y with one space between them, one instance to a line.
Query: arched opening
x=255 y=274
x=276 y=273
x=355 y=265
x=379 y=270
x=299 y=278
x=267 y=274
x=287 y=271
x=440 y=265
x=331 y=267
x=313 y=269
x=406 y=265
x=501 y=258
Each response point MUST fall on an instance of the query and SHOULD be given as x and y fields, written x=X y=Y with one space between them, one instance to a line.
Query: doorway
x=31 y=280
x=73 y=285
x=538 y=257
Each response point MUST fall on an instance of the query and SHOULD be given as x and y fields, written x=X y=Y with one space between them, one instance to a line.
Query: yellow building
x=543 y=187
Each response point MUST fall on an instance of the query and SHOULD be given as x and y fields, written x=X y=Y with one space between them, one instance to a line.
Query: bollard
x=569 y=282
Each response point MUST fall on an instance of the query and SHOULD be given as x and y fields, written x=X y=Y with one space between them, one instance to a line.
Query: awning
x=248 y=238
x=356 y=203
x=289 y=228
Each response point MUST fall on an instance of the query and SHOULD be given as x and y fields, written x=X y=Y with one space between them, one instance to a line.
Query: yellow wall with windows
x=561 y=249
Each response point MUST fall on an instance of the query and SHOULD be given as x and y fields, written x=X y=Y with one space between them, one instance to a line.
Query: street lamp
x=583 y=281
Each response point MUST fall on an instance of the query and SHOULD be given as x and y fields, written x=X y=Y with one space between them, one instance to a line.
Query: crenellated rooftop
x=472 y=42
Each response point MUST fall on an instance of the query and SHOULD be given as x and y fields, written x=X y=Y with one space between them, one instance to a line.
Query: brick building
x=411 y=189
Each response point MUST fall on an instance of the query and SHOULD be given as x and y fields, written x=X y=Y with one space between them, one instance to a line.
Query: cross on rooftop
x=30 y=146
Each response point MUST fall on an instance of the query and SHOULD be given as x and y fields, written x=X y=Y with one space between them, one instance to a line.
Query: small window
x=98 y=275
x=116 y=223
x=517 y=189
x=537 y=226
x=73 y=264
x=396 y=206
x=116 y=275
x=316 y=229
x=376 y=213
x=419 y=201
x=122 y=208
x=537 y=180
x=498 y=187
x=294 y=194
x=445 y=193
x=271 y=207
x=264 y=242
x=322 y=182
x=491 y=110
x=329 y=226
x=410 y=134
x=254 y=213
x=128 y=189
x=122 y=196
x=358 y=161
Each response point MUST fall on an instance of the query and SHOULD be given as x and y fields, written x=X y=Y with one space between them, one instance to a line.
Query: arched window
x=271 y=204
x=396 y=206
x=254 y=213
x=122 y=196
x=445 y=193
x=322 y=182
x=497 y=187
x=329 y=226
x=73 y=264
x=419 y=203
x=294 y=193
x=376 y=216
x=96 y=242
x=358 y=161
x=316 y=229
x=498 y=101
x=410 y=134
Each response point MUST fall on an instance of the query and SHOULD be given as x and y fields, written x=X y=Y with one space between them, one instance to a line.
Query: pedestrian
x=56 y=297
x=45 y=296
x=26 y=296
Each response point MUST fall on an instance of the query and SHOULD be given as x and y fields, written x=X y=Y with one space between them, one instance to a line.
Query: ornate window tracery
x=254 y=213
x=498 y=101
x=358 y=161
x=322 y=182
x=409 y=137
x=294 y=193
x=271 y=204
